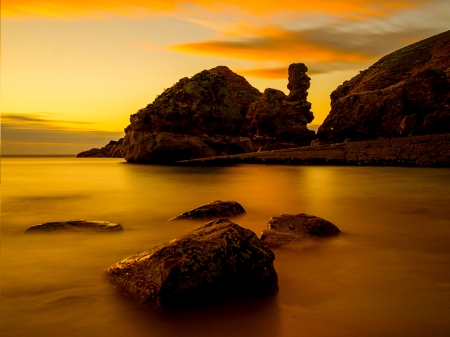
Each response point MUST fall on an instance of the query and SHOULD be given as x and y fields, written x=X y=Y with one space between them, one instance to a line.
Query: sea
x=386 y=274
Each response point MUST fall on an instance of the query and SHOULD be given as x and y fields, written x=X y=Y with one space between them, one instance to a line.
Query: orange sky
x=73 y=71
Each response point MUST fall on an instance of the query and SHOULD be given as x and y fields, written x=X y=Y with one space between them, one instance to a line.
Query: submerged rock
x=75 y=226
x=214 y=209
x=405 y=93
x=277 y=118
x=112 y=150
x=217 y=260
x=294 y=228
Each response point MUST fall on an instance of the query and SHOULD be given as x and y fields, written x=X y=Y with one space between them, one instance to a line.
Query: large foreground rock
x=111 y=150
x=288 y=229
x=218 y=260
x=405 y=93
x=75 y=226
x=213 y=209
x=197 y=117
x=276 y=118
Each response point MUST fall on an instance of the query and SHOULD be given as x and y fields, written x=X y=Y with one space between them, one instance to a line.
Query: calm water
x=387 y=275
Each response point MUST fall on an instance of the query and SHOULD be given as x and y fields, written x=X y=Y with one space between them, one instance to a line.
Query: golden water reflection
x=387 y=274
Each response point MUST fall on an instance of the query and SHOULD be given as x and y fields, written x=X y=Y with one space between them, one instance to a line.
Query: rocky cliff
x=276 y=118
x=216 y=112
x=405 y=93
x=197 y=117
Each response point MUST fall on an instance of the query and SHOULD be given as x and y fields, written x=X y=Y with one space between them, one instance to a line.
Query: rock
x=294 y=228
x=214 y=209
x=405 y=93
x=244 y=92
x=112 y=149
x=197 y=117
x=217 y=260
x=75 y=226
x=244 y=146
x=277 y=118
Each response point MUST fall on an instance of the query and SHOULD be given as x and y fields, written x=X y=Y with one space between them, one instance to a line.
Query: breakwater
x=427 y=150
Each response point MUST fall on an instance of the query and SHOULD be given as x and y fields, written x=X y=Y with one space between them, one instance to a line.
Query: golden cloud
x=275 y=44
x=101 y=9
x=274 y=73
x=314 y=68
x=323 y=49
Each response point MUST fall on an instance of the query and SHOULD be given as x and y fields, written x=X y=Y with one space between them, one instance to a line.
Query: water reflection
x=387 y=275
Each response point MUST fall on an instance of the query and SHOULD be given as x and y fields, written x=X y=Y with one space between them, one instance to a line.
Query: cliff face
x=276 y=118
x=405 y=93
x=197 y=117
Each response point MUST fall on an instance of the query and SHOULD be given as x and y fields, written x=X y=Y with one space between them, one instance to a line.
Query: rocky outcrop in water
x=75 y=226
x=112 y=150
x=217 y=260
x=405 y=93
x=288 y=229
x=197 y=117
x=276 y=118
x=214 y=209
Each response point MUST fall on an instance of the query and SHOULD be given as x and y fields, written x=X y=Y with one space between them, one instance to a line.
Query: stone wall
x=428 y=150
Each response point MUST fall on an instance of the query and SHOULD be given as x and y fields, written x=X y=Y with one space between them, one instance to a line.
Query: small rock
x=214 y=209
x=217 y=260
x=74 y=226
x=112 y=150
x=295 y=228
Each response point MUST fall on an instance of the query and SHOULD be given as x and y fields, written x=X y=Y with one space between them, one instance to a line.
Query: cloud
x=338 y=46
x=24 y=120
x=102 y=9
x=34 y=134
x=314 y=68
x=276 y=44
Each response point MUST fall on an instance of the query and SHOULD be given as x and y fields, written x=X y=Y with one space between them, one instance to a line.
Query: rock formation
x=197 y=117
x=74 y=226
x=112 y=150
x=276 y=118
x=405 y=93
x=289 y=229
x=244 y=93
x=217 y=260
x=214 y=209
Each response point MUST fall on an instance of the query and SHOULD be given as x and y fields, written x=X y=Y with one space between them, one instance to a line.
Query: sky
x=72 y=72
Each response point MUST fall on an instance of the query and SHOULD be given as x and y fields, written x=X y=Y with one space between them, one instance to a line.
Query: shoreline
x=426 y=150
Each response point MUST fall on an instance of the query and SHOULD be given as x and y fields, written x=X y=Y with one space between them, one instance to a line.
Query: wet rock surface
x=111 y=150
x=216 y=261
x=214 y=209
x=277 y=118
x=288 y=229
x=197 y=117
x=405 y=93
x=74 y=226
